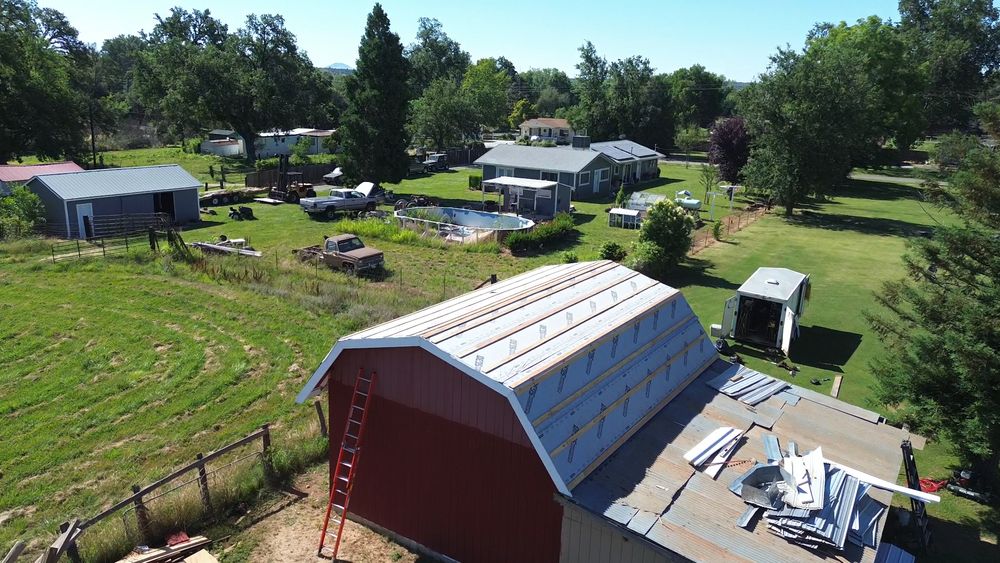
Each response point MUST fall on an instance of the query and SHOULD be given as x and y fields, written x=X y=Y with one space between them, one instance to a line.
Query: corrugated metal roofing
x=698 y=515
x=25 y=172
x=539 y=158
x=111 y=182
x=585 y=352
x=772 y=283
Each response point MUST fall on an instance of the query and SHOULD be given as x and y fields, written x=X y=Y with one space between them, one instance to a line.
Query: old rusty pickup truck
x=346 y=253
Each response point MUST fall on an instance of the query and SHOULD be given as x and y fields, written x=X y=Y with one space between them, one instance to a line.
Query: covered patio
x=527 y=196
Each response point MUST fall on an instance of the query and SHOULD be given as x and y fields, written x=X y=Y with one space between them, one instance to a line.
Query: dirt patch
x=292 y=534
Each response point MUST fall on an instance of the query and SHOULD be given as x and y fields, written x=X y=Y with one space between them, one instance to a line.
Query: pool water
x=467 y=218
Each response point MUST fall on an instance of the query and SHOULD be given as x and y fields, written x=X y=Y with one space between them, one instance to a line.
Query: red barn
x=493 y=409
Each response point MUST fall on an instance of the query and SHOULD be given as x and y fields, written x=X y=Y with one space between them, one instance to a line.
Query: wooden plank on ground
x=201 y=557
x=836 y=386
x=168 y=553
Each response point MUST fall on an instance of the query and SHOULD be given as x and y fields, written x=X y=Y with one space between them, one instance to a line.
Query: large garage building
x=544 y=418
x=75 y=202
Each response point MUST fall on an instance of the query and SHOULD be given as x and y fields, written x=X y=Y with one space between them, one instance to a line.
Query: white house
x=548 y=129
x=273 y=143
x=223 y=142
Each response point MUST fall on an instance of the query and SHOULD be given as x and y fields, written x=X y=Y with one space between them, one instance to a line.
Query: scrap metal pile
x=806 y=499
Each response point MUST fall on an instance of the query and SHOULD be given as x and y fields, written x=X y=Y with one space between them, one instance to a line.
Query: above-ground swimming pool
x=462 y=225
x=467 y=218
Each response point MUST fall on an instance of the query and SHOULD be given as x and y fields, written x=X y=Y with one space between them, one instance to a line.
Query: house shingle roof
x=553 y=122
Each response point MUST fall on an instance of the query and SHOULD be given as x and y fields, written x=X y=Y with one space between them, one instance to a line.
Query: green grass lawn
x=113 y=372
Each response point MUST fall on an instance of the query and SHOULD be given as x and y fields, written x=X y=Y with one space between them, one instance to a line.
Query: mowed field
x=112 y=372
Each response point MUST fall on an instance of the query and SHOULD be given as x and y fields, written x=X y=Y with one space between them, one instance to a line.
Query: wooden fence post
x=53 y=254
x=78 y=248
x=142 y=515
x=126 y=243
x=265 y=441
x=203 y=483
x=71 y=550
x=14 y=553
x=104 y=249
x=322 y=419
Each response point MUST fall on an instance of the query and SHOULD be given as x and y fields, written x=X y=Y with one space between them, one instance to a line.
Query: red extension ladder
x=347 y=464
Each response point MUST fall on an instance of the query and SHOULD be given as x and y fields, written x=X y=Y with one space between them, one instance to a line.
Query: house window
x=550 y=176
x=618 y=170
x=603 y=174
x=504 y=172
x=584 y=178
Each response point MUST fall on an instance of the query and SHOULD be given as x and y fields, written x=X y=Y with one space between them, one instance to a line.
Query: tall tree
x=942 y=360
x=163 y=80
x=699 y=96
x=810 y=117
x=639 y=104
x=43 y=109
x=434 y=55
x=443 y=114
x=485 y=87
x=258 y=81
x=374 y=126
x=591 y=89
x=958 y=42
x=729 y=147
x=897 y=78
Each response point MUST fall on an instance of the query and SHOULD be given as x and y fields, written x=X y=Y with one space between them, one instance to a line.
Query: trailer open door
x=788 y=329
x=729 y=317
x=804 y=295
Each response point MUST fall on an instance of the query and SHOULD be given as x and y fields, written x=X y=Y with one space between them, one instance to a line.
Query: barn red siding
x=446 y=462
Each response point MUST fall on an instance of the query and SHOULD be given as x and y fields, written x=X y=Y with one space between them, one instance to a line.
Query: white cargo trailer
x=766 y=309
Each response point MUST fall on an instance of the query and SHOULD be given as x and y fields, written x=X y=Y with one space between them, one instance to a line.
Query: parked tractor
x=290 y=186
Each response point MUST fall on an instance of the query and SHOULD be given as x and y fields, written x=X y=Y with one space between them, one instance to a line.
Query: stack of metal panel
x=752 y=387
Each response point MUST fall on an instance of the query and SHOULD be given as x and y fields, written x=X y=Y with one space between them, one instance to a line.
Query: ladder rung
x=357 y=407
x=352 y=436
x=347 y=463
x=341 y=478
x=362 y=394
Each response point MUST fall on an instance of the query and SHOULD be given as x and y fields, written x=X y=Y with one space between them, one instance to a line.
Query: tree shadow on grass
x=885 y=191
x=824 y=348
x=202 y=225
x=694 y=272
x=864 y=225
x=950 y=541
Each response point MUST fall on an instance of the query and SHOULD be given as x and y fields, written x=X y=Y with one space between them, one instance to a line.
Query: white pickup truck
x=339 y=201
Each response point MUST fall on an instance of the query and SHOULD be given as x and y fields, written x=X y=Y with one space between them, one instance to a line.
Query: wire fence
x=730 y=224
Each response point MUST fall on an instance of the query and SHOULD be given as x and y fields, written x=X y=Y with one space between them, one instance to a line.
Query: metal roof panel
x=110 y=182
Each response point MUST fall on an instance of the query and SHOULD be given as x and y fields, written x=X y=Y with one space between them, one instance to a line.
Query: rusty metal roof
x=695 y=515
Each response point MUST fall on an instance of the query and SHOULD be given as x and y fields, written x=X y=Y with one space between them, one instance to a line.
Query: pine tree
x=374 y=125
x=939 y=325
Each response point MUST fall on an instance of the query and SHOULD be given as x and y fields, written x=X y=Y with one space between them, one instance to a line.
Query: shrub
x=668 y=226
x=475 y=181
x=621 y=197
x=647 y=258
x=569 y=257
x=612 y=251
x=717 y=230
x=20 y=212
x=559 y=228
x=266 y=163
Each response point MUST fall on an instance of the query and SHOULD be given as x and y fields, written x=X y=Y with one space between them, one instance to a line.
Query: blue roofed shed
x=74 y=201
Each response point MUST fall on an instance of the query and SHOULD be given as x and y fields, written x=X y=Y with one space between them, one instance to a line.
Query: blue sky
x=730 y=37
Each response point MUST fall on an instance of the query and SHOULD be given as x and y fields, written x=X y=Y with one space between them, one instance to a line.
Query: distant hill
x=739 y=85
x=338 y=69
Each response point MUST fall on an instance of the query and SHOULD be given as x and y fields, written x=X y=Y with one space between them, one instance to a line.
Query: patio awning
x=510 y=181
x=625 y=212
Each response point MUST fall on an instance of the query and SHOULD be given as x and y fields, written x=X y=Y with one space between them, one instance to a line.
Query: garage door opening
x=758 y=321
x=163 y=202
